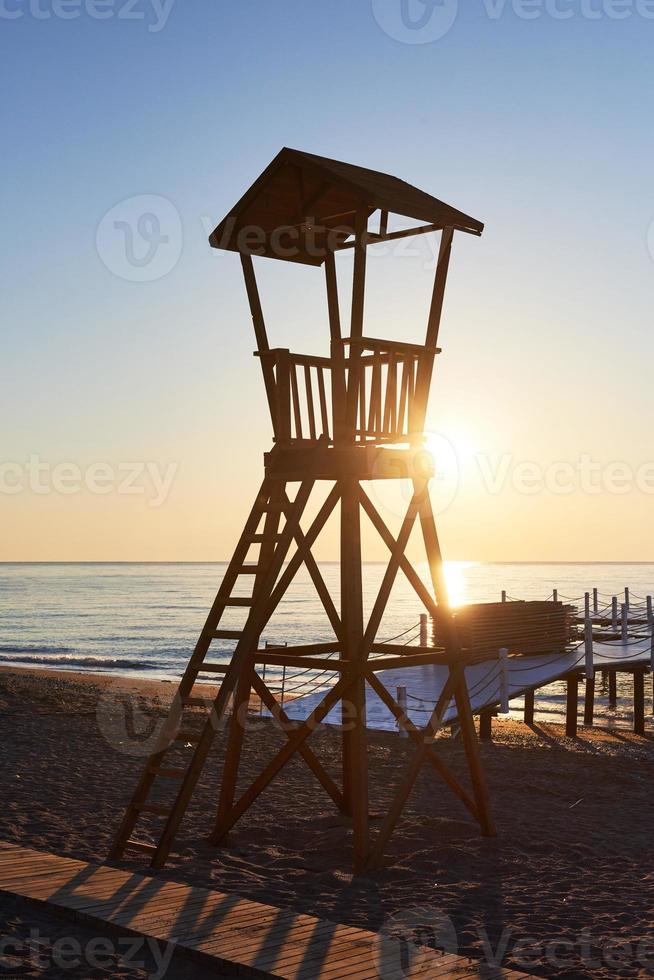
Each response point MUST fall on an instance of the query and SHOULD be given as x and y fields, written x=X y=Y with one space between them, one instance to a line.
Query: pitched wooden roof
x=271 y=217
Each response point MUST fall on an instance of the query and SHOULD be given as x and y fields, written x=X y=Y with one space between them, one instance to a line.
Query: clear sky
x=536 y=122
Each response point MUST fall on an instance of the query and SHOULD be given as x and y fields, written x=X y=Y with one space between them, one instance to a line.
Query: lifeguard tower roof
x=300 y=191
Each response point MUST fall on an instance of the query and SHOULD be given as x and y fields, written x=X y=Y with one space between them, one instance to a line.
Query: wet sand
x=565 y=889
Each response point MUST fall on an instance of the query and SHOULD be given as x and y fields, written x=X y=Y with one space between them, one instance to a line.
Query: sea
x=142 y=619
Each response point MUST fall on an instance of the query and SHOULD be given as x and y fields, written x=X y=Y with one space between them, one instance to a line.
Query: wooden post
x=639 y=701
x=588 y=649
x=457 y=673
x=614 y=612
x=426 y=363
x=586 y=605
x=626 y=597
x=613 y=689
x=589 y=701
x=356 y=323
x=403 y=704
x=555 y=595
x=486 y=725
x=595 y=601
x=260 y=334
x=504 y=680
x=336 y=351
x=503 y=595
x=355 y=762
x=424 y=639
x=650 y=615
x=530 y=697
x=572 y=694
x=624 y=623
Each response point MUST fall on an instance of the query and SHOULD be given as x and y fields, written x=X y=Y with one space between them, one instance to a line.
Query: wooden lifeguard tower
x=338 y=421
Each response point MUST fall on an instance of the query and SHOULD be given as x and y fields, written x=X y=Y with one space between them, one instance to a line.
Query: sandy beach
x=566 y=889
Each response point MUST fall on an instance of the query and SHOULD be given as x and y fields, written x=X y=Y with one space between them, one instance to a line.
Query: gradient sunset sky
x=540 y=126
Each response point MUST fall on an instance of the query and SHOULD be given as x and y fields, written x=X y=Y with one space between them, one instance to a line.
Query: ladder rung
x=214 y=668
x=264 y=538
x=196 y=702
x=161 y=811
x=169 y=773
x=227 y=635
x=240 y=601
x=187 y=737
x=249 y=570
x=140 y=845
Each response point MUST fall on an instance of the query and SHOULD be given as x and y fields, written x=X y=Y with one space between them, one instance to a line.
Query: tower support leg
x=464 y=709
x=355 y=758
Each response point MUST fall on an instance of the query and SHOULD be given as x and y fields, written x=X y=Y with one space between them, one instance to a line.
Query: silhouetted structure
x=355 y=416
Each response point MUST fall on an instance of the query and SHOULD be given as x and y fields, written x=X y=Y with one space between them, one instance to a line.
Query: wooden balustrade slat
x=411 y=388
x=297 y=414
x=310 y=410
x=390 y=397
x=374 y=409
x=323 y=401
x=404 y=390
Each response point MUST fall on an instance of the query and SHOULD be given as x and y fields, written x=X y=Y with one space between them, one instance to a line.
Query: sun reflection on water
x=455 y=580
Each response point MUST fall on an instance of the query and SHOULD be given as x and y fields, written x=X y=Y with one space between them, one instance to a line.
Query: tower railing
x=308 y=394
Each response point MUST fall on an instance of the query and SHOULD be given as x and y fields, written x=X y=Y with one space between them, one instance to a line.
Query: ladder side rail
x=244 y=648
x=146 y=781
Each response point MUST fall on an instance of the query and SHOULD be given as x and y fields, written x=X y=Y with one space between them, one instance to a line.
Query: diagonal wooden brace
x=309 y=757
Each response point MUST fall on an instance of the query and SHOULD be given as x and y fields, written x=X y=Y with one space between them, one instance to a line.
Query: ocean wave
x=35 y=648
x=76 y=660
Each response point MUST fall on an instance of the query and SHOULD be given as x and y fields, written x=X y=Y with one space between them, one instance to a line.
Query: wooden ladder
x=274 y=540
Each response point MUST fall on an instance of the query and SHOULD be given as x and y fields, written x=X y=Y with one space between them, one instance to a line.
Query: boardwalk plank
x=224 y=930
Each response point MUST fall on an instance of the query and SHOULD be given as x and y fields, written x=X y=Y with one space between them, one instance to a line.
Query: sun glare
x=455 y=580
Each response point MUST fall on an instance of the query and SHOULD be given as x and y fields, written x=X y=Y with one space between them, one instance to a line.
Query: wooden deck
x=222 y=930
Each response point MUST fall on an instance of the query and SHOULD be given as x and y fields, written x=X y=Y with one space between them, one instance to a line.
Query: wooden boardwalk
x=225 y=931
